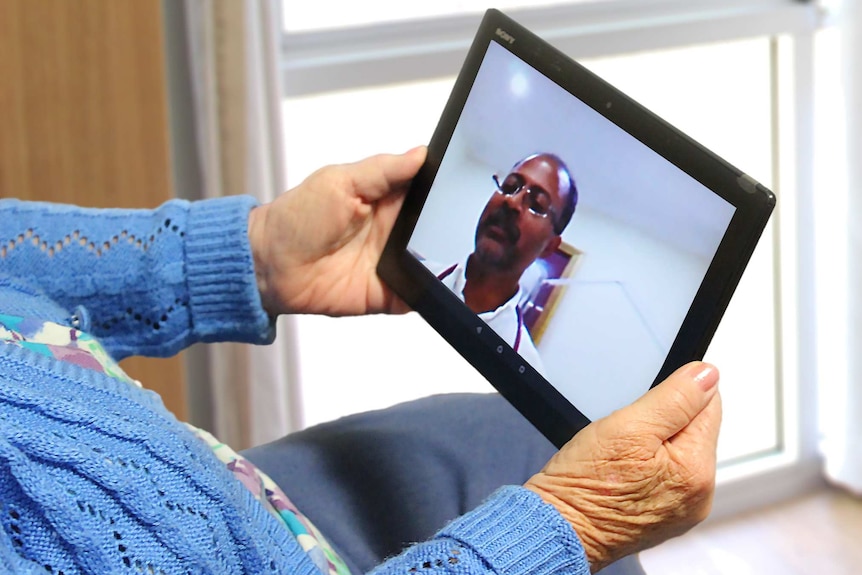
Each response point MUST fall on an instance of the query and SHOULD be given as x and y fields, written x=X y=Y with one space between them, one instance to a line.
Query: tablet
x=570 y=244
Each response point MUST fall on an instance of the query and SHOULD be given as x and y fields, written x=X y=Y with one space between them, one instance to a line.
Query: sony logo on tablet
x=505 y=36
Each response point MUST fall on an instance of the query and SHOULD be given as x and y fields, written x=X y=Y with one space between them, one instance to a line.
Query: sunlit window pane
x=346 y=126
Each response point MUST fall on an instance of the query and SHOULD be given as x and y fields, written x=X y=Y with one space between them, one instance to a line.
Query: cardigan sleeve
x=513 y=533
x=146 y=282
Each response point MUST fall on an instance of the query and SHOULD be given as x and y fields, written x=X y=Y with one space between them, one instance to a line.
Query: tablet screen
x=570 y=244
x=629 y=260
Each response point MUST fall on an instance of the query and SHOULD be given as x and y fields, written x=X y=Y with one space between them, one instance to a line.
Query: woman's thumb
x=669 y=407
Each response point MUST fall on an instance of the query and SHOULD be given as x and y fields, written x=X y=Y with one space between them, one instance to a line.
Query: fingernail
x=707 y=377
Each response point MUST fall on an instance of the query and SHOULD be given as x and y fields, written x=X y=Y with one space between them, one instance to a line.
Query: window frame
x=411 y=50
x=323 y=61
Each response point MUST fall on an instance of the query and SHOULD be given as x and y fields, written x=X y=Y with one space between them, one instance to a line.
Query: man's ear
x=551 y=246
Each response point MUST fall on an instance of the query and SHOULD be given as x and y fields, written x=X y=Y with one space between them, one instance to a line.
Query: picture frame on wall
x=548 y=281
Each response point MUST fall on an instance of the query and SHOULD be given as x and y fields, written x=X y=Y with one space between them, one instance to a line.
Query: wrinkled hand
x=316 y=247
x=643 y=474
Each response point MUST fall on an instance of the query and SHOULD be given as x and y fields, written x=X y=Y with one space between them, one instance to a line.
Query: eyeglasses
x=538 y=200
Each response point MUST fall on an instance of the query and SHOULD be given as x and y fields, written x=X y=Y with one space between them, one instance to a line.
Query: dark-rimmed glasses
x=538 y=200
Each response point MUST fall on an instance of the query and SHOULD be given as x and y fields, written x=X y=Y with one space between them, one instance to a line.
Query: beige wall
x=83 y=118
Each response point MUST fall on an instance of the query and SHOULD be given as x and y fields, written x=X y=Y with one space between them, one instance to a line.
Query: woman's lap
x=375 y=482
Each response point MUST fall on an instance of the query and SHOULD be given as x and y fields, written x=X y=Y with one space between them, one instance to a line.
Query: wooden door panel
x=83 y=118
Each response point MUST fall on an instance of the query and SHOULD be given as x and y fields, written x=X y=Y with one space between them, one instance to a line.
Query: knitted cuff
x=516 y=532
x=223 y=296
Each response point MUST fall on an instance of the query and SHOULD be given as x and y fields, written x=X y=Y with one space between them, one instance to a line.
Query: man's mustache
x=506 y=220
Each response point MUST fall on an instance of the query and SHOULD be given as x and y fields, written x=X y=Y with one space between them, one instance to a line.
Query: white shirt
x=506 y=320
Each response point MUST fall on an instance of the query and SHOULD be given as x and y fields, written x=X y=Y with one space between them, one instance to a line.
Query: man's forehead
x=545 y=170
x=537 y=162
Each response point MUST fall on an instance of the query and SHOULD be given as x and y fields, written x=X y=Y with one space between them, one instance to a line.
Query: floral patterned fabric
x=277 y=503
x=60 y=342
x=70 y=345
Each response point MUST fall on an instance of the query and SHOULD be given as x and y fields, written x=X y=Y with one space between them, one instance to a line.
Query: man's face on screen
x=517 y=224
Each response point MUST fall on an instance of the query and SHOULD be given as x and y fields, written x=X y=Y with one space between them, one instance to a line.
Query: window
x=299 y=18
x=736 y=76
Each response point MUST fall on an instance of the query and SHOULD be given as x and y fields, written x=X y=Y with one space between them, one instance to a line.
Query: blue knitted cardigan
x=96 y=476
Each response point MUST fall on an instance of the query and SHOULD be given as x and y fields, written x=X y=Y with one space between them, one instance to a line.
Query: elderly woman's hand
x=642 y=475
x=316 y=246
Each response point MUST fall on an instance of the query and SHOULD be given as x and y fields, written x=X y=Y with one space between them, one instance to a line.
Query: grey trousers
x=375 y=482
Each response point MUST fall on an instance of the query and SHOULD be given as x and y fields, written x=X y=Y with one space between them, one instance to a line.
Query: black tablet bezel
x=515 y=379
